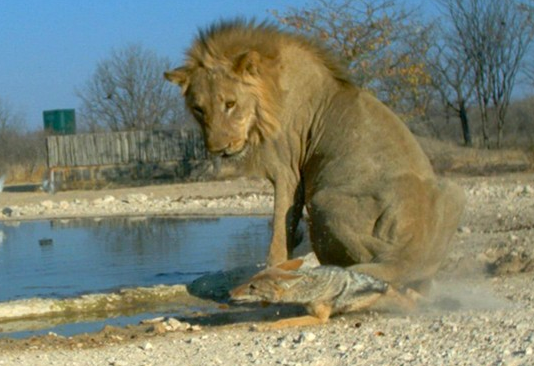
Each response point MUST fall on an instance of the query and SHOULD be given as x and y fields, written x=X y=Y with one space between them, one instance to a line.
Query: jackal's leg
x=299 y=321
x=320 y=313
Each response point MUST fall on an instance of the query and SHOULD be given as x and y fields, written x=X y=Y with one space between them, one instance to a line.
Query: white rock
x=136 y=197
x=98 y=202
x=464 y=230
x=64 y=205
x=108 y=199
x=306 y=337
x=48 y=204
x=118 y=363
x=284 y=343
x=159 y=319
x=174 y=324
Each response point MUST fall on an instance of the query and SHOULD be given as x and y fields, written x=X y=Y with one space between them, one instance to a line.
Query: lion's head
x=230 y=90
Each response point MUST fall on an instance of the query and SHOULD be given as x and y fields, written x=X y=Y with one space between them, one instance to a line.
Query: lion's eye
x=198 y=110
x=230 y=104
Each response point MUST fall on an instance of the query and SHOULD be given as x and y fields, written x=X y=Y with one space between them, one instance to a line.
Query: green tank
x=60 y=121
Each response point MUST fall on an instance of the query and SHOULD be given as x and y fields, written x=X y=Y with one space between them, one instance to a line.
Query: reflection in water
x=87 y=256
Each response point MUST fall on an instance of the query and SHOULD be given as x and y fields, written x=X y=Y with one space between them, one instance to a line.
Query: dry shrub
x=449 y=157
x=28 y=173
x=22 y=157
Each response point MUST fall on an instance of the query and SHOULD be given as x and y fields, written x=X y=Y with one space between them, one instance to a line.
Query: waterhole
x=56 y=260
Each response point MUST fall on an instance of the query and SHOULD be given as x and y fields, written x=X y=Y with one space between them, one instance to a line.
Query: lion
x=278 y=105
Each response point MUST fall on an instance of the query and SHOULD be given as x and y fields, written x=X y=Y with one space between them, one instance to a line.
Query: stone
x=464 y=230
x=108 y=199
x=117 y=363
x=48 y=204
x=147 y=346
x=174 y=324
x=306 y=337
x=159 y=319
x=7 y=211
x=137 y=197
x=158 y=328
x=283 y=342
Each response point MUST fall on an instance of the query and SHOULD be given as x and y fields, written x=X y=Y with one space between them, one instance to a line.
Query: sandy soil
x=480 y=313
x=201 y=198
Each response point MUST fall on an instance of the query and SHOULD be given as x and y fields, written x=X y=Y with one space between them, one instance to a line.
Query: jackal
x=322 y=290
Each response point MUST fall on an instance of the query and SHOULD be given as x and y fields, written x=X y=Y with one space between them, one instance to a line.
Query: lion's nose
x=217 y=141
x=217 y=148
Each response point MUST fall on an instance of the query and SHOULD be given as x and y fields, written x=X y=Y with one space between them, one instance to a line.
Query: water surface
x=68 y=258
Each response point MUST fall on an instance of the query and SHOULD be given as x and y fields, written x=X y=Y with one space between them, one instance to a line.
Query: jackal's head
x=269 y=285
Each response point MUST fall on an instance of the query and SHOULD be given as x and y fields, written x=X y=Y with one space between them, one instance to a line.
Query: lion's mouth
x=235 y=151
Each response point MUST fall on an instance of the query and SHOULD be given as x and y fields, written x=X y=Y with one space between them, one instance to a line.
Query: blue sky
x=51 y=47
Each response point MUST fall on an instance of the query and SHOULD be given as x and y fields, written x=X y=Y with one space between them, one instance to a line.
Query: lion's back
x=360 y=141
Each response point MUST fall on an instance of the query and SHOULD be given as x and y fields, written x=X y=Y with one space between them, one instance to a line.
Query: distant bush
x=22 y=156
x=518 y=130
x=22 y=153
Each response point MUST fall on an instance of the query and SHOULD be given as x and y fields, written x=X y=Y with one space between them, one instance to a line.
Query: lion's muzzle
x=226 y=149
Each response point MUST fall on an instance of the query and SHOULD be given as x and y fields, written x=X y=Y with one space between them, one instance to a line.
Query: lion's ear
x=248 y=63
x=178 y=76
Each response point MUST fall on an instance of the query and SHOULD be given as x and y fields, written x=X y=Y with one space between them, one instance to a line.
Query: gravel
x=481 y=310
x=142 y=204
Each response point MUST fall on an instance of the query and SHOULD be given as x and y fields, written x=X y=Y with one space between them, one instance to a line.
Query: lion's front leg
x=288 y=204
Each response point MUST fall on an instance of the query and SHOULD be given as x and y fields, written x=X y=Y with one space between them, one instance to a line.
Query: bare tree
x=18 y=148
x=11 y=126
x=452 y=77
x=127 y=92
x=529 y=73
x=528 y=66
x=9 y=119
x=495 y=35
x=378 y=40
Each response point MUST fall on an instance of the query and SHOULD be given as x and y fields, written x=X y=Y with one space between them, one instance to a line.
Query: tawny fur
x=279 y=106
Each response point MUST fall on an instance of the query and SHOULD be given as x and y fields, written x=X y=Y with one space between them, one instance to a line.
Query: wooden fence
x=124 y=148
x=94 y=160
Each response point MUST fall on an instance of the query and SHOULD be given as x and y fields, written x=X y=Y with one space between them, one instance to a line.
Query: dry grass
x=450 y=158
x=19 y=174
x=446 y=157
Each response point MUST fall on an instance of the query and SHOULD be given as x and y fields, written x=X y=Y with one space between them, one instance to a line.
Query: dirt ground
x=24 y=195
x=480 y=311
